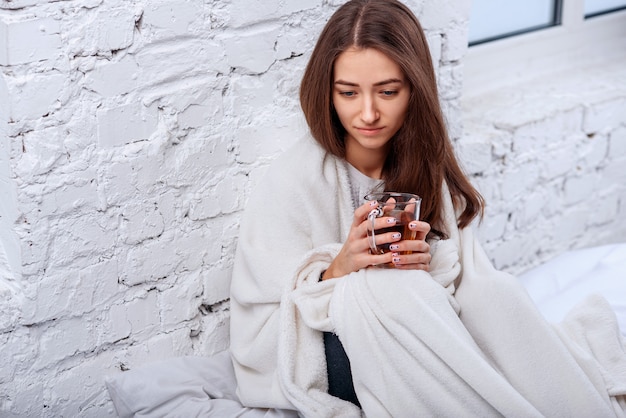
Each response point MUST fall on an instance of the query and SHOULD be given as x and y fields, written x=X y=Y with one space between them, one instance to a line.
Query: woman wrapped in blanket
x=317 y=328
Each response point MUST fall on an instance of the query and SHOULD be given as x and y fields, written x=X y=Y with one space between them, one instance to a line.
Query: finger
x=410 y=259
x=422 y=229
x=390 y=204
x=414 y=246
x=360 y=214
x=381 y=223
x=378 y=259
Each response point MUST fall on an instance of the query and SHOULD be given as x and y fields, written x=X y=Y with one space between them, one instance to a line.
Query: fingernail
x=373 y=203
x=391 y=221
x=396 y=260
x=413 y=225
x=394 y=254
x=394 y=247
x=396 y=235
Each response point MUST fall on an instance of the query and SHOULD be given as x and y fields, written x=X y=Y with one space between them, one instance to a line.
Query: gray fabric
x=183 y=387
x=361 y=185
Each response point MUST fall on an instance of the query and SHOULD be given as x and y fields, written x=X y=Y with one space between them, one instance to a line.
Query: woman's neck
x=368 y=162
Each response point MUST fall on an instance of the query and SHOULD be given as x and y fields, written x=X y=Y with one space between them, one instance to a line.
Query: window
x=495 y=19
x=583 y=33
x=599 y=7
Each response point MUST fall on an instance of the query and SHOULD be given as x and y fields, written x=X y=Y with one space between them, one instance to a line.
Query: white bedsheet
x=558 y=285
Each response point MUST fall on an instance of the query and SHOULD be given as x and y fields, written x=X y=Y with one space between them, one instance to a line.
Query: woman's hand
x=412 y=254
x=355 y=253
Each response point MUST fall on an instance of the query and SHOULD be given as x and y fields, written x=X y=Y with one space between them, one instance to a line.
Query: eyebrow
x=380 y=83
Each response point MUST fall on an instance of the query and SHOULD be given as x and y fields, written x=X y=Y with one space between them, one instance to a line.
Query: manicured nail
x=391 y=221
x=396 y=260
x=394 y=247
x=413 y=225
x=396 y=235
x=373 y=203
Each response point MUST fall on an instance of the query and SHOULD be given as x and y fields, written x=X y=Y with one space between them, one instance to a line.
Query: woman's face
x=370 y=96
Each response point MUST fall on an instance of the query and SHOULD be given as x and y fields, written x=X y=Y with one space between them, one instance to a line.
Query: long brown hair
x=421 y=156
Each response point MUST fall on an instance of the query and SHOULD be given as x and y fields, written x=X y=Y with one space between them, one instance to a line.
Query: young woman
x=316 y=328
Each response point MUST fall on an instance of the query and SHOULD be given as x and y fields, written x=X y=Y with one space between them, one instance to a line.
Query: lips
x=369 y=131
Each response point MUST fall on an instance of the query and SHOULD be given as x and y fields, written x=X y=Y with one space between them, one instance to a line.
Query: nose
x=369 y=110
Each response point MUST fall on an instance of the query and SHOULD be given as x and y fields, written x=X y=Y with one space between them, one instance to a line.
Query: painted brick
x=180 y=303
x=156 y=347
x=594 y=151
x=455 y=43
x=141 y=222
x=474 y=153
x=69 y=197
x=571 y=224
x=197 y=160
x=603 y=117
x=172 y=17
x=250 y=93
x=248 y=12
x=580 y=188
x=509 y=252
x=517 y=181
x=559 y=160
x=281 y=130
x=117 y=183
x=531 y=208
x=604 y=210
x=116 y=325
x=64 y=339
x=450 y=79
x=11 y=301
x=443 y=13
x=217 y=285
x=295 y=42
x=78 y=241
x=34 y=95
x=78 y=391
x=253 y=51
x=179 y=66
x=435 y=48
x=125 y=124
x=149 y=261
x=29 y=40
x=214 y=325
x=114 y=78
x=43 y=150
x=5 y=112
x=493 y=227
x=143 y=314
x=561 y=127
x=101 y=30
x=617 y=142
x=197 y=115
x=55 y=297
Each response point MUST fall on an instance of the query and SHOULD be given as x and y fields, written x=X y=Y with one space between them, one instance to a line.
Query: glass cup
x=404 y=207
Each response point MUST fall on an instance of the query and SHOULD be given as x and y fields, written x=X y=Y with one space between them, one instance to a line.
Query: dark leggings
x=338 y=368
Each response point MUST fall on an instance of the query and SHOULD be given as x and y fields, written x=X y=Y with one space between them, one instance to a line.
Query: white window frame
x=576 y=43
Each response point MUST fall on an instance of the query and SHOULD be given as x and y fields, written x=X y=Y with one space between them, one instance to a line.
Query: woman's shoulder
x=304 y=161
x=304 y=152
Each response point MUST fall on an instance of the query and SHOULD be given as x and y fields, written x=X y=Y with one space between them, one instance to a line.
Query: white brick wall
x=132 y=133
x=549 y=157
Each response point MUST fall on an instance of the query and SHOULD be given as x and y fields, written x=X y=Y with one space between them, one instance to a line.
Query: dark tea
x=402 y=226
x=404 y=207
